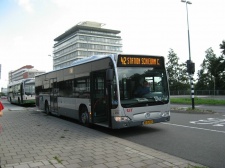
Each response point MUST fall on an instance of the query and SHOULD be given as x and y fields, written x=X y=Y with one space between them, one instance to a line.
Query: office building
x=24 y=72
x=82 y=40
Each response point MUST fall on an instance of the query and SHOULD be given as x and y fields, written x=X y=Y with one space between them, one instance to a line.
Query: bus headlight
x=121 y=119
x=166 y=114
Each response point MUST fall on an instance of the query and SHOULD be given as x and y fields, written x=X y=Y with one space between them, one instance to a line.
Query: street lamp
x=189 y=49
x=188 y=2
x=52 y=60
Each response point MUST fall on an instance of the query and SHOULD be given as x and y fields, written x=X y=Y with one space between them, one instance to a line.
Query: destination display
x=139 y=61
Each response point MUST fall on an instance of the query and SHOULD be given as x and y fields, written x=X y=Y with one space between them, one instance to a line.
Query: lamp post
x=214 y=87
x=52 y=61
x=189 y=49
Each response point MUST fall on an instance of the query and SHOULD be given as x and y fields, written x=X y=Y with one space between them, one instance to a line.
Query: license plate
x=148 y=122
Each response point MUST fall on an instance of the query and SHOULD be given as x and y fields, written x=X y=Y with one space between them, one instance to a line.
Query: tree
x=206 y=78
x=211 y=72
x=178 y=78
x=222 y=46
x=222 y=66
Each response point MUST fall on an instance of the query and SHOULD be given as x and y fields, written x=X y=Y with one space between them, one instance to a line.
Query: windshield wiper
x=158 y=100
x=131 y=105
x=140 y=102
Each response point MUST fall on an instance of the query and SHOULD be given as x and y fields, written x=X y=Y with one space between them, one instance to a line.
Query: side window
x=66 y=88
x=150 y=81
x=61 y=88
x=158 y=84
x=17 y=89
x=69 y=88
x=81 y=87
x=99 y=86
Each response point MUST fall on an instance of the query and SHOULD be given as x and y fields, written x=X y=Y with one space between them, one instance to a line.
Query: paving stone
x=112 y=164
x=34 y=140
x=22 y=166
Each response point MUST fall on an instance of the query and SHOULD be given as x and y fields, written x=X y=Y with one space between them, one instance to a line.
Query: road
x=195 y=137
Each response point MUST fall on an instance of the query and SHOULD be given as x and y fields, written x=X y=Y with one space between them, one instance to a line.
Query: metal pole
x=214 y=86
x=189 y=46
x=189 y=49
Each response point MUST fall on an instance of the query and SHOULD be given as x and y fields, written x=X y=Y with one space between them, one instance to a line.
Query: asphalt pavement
x=31 y=139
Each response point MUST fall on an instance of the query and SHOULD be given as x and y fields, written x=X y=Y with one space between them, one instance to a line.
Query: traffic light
x=190 y=67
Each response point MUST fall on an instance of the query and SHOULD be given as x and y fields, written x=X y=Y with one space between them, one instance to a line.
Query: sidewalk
x=205 y=108
x=31 y=139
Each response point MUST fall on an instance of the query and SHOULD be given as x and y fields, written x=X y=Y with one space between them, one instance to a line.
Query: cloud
x=26 y=4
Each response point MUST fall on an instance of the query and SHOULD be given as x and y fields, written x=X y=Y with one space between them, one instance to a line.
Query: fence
x=198 y=92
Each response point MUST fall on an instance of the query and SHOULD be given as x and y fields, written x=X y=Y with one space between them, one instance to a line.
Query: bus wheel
x=47 y=108
x=84 y=119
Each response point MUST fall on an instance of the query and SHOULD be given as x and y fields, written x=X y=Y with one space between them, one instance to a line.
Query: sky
x=153 y=27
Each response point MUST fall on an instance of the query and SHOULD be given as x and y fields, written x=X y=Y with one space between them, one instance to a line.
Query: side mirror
x=109 y=74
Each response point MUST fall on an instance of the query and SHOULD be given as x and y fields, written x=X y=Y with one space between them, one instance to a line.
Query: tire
x=47 y=108
x=84 y=117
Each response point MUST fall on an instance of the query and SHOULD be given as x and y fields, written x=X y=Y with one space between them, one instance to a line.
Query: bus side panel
x=83 y=101
x=42 y=100
x=14 y=99
x=67 y=107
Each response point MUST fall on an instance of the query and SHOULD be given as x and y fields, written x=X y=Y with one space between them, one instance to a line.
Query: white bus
x=101 y=90
x=22 y=91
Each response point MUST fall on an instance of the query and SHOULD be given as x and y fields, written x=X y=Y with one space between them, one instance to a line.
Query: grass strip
x=197 y=100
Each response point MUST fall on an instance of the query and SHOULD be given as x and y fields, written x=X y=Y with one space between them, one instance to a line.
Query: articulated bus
x=101 y=90
x=22 y=91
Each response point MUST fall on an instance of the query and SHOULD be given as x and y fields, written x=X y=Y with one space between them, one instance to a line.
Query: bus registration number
x=148 y=122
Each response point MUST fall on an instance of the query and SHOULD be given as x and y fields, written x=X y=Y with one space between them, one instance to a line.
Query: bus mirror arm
x=109 y=74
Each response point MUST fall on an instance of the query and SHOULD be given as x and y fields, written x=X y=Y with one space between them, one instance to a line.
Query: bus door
x=21 y=92
x=53 y=95
x=99 y=98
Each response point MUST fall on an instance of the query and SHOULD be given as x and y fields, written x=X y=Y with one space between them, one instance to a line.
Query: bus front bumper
x=130 y=123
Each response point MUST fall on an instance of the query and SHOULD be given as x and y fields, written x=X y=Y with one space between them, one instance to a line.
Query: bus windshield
x=29 y=88
x=141 y=86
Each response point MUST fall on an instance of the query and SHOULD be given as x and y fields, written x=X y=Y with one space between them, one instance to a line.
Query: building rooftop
x=94 y=26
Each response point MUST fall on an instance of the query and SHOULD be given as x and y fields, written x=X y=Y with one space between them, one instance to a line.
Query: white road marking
x=194 y=128
x=211 y=121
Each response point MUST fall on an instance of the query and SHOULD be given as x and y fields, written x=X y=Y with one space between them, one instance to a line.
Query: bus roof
x=21 y=80
x=83 y=61
x=90 y=59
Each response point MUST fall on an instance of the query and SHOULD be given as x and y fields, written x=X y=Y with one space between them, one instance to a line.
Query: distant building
x=24 y=72
x=0 y=70
x=4 y=91
x=82 y=40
